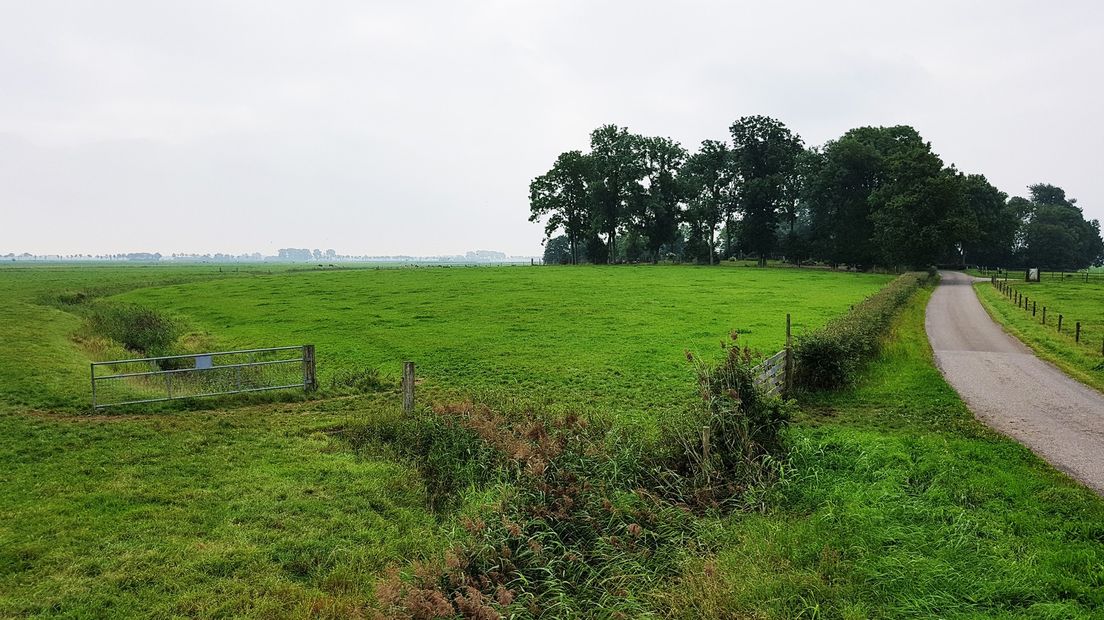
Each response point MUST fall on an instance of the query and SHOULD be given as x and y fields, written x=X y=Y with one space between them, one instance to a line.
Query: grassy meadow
x=250 y=507
x=895 y=502
x=1073 y=298
x=611 y=337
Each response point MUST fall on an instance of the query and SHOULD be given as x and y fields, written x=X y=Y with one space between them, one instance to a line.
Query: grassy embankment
x=902 y=505
x=897 y=503
x=1075 y=300
x=233 y=511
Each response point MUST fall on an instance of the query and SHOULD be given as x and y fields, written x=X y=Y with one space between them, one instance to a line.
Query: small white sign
x=203 y=362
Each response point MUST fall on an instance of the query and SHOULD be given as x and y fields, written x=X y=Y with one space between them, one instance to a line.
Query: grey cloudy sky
x=415 y=127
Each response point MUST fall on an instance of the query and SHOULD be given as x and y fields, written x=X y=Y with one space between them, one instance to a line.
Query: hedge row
x=830 y=357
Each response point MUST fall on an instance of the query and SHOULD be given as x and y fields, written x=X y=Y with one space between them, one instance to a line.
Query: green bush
x=744 y=429
x=830 y=357
x=135 y=327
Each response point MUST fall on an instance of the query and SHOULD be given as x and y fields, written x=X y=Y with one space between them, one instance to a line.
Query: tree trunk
x=728 y=237
x=712 y=245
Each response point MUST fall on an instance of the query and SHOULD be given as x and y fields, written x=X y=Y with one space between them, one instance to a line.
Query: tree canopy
x=874 y=196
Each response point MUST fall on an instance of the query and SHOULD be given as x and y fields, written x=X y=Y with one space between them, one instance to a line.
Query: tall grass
x=139 y=329
x=583 y=517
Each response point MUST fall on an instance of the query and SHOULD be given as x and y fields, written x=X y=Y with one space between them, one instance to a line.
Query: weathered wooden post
x=1033 y=308
x=1059 y=322
x=788 y=370
x=408 y=387
x=92 y=369
x=1077 y=332
x=310 y=376
x=1044 y=315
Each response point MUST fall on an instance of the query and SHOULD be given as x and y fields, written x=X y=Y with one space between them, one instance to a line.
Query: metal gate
x=173 y=377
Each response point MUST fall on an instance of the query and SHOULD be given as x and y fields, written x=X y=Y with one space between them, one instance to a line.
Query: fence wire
x=147 y=380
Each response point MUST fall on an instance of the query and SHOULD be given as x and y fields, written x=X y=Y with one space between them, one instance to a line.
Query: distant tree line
x=874 y=196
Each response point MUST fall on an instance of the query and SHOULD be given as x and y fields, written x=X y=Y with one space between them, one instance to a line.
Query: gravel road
x=1010 y=389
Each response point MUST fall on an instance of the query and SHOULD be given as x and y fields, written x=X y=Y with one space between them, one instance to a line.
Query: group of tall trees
x=874 y=196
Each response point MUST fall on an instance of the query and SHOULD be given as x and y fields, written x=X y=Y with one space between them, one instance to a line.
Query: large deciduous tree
x=617 y=163
x=764 y=154
x=837 y=189
x=1056 y=234
x=557 y=251
x=709 y=177
x=656 y=209
x=879 y=194
x=993 y=223
x=563 y=194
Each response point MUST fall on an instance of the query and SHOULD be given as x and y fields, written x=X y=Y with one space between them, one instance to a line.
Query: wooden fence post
x=1044 y=315
x=1032 y=308
x=1059 y=322
x=310 y=376
x=408 y=387
x=1077 y=333
x=788 y=370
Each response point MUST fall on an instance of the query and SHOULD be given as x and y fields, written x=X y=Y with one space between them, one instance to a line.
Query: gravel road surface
x=1010 y=389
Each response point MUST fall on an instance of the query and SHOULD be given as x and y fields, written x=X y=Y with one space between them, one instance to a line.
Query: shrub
x=830 y=357
x=137 y=328
x=744 y=430
x=72 y=298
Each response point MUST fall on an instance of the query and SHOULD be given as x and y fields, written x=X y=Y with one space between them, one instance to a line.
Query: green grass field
x=614 y=338
x=1076 y=301
x=897 y=503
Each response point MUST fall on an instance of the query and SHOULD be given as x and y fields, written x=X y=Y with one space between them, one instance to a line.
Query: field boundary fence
x=774 y=375
x=199 y=375
x=1059 y=276
x=1040 y=312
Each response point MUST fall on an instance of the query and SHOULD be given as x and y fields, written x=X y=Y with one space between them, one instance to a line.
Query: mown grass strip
x=830 y=357
x=1077 y=302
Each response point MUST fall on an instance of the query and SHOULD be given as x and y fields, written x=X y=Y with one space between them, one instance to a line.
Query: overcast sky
x=415 y=127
